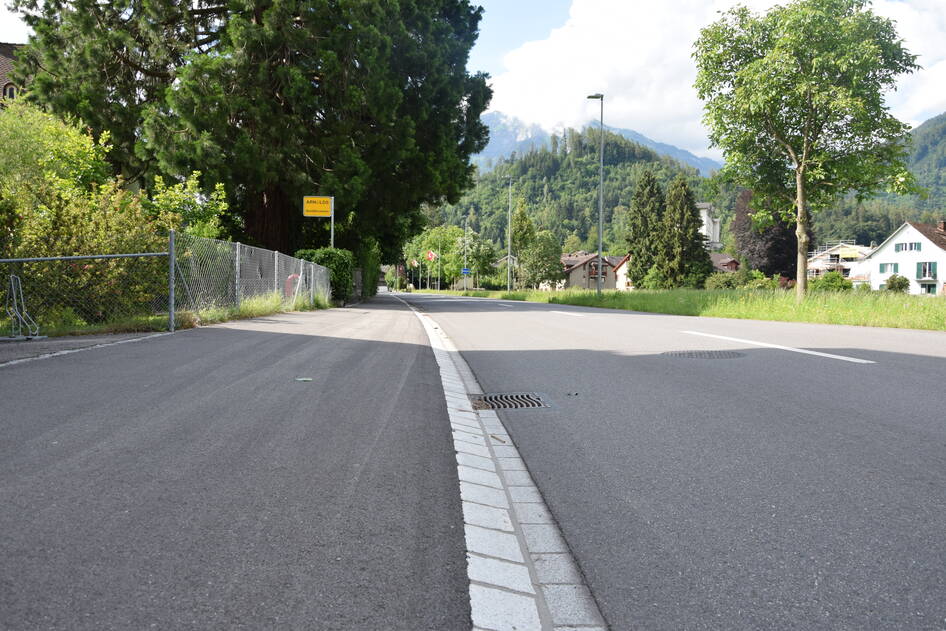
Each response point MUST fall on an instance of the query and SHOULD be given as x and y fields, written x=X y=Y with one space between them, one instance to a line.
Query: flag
x=431 y=255
x=414 y=263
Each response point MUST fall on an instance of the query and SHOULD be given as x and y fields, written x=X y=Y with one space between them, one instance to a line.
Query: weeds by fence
x=213 y=281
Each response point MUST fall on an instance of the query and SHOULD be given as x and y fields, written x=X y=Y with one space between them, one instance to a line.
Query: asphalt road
x=190 y=482
x=769 y=490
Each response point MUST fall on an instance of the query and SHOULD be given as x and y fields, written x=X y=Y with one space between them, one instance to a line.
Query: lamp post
x=509 y=240
x=600 y=97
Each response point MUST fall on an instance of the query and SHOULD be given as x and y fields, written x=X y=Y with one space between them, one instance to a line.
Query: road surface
x=766 y=476
x=191 y=482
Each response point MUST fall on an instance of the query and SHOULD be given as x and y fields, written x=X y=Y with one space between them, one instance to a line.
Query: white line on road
x=854 y=360
x=502 y=305
x=577 y=315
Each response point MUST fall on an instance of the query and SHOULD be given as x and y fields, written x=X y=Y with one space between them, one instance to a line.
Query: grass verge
x=877 y=308
x=253 y=307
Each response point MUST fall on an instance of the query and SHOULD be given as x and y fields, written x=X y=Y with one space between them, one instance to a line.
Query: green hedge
x=369 y=260
x=340 y=263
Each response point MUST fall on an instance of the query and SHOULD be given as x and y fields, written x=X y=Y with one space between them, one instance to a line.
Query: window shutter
x=919 y=270
x=933 y=269
x=896 y=268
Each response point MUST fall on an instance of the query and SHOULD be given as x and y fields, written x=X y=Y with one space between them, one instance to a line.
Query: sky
x=637 y=52
x=545 y=56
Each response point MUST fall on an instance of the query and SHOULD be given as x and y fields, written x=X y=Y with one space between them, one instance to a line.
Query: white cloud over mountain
x=637 y=53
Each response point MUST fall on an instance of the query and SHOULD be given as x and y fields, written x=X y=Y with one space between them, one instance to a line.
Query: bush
x=655 y=279
x=898 y=284
x=831 y=281
x=721 y=280
x=760 y=281
x=341 y=264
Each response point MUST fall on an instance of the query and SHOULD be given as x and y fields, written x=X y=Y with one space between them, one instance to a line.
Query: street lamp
x=509 y=240
x=600 y=97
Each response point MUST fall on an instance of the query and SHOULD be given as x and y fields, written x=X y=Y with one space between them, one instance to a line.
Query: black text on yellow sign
x=318 y=206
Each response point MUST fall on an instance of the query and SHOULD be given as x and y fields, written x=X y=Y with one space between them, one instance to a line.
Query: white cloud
x=638 y=54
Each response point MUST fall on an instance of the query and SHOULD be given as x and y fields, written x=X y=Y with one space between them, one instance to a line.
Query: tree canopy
x=365 y=100
x=794 y=97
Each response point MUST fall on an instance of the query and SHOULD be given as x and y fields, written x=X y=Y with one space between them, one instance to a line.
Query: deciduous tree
x=794 y=97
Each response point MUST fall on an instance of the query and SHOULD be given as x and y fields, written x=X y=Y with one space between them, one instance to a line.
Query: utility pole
x=600 y=97
x=466 y=244
x=509 y=240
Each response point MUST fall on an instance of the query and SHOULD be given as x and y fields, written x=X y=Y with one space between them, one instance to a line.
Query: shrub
x=341 y=264
x=721 y=280
x=831 y=281
x=655 y=279
x=898 y=284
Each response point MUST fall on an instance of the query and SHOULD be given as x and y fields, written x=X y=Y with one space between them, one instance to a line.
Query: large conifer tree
x=682 y=261
x=365 y=100
x=643 y=227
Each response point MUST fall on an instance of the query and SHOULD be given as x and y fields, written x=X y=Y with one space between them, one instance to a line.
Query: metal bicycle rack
x=20 y=320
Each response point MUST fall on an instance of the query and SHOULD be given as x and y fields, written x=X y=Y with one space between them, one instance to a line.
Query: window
x=913 y=246
x=926 y=270
x=892 y=268
x=9 y=91
x=928 y=288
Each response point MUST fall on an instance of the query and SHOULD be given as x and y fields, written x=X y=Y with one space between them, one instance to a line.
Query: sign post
x=321 y=207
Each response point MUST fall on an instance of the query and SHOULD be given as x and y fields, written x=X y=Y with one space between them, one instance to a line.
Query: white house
x=710 y=227
x=916 y=251
x=845 y=257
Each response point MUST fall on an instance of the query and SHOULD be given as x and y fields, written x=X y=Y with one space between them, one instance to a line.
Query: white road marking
x=577 y=315
x=502 y=305
x=854 y=360
x=83 y=349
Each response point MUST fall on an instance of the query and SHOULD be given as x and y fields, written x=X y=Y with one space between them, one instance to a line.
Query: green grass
x=877 y=308
x=253 y=307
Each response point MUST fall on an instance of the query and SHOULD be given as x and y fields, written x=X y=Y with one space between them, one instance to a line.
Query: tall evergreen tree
x=643 y=226
x=523 y=230
x=365 y=100
x=682 y=259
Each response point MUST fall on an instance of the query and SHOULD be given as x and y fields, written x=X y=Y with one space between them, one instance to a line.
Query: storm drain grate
x=507 y=400
x=704 y=354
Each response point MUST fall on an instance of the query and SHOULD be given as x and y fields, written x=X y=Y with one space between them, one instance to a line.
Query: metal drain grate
x=507 y=400
x=704 y=354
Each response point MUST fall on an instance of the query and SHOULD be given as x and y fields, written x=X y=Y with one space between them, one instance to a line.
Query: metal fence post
x=276 y=271
x=236 y=286
x=171 y=259
x=311 y=270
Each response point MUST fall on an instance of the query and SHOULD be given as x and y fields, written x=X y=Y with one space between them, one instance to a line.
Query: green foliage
x=643 y=228
x=341 y=265
x=541 y=261
x=572 y=243
x=369 y=260
x=523 y=230
x=721 y=280
x=655 y=278
x=898 y=284
x=681 y=255
x=831 y=281
x=367 y=101
x=794 y=98
x=199 y=213
x=560 y=190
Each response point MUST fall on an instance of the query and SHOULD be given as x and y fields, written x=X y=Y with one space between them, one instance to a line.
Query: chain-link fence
x=134 y=291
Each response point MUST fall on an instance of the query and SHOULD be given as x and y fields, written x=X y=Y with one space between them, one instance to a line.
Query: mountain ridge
x=508 y=134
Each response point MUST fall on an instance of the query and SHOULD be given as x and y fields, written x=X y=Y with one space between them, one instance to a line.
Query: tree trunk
x=801 y=232
x=267 y=220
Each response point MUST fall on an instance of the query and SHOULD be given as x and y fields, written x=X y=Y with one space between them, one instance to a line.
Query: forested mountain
x=508 y=134
x=558 y=185
x=875 y=219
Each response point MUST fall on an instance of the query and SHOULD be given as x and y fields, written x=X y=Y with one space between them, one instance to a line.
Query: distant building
x=724 y=262
x=8 y=89
x=844 y=256
x=711 y=226
x=581 y=270
x=915 y=251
